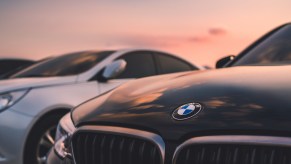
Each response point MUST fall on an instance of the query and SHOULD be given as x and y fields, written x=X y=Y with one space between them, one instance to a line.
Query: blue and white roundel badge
x=187 y=111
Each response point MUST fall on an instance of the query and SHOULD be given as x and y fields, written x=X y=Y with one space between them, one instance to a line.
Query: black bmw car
x=240 y=114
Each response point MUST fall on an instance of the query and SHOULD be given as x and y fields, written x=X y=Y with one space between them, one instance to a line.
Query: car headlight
x=64 y=132
x=10 y=98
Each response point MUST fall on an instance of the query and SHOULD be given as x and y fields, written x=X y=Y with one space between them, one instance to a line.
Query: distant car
x=18 y=69
x=33 y=100
x=8 y=65
x=236 y=115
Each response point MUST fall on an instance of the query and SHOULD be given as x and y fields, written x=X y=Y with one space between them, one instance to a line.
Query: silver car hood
x=23 y=83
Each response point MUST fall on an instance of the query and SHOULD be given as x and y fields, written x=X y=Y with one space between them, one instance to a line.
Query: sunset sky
x=200 y=31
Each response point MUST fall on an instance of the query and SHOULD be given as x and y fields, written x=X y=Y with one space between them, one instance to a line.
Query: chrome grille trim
x=152 y=137
x=234 y=139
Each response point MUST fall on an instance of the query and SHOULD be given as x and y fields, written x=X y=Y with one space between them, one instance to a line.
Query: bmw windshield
x=70 y=64
x=273 y=50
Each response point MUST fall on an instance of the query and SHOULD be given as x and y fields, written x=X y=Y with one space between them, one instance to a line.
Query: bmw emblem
x=187 y=111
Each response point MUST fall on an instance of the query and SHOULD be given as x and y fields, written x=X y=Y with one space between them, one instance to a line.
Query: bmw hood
x=239 y=99
x=24 y=83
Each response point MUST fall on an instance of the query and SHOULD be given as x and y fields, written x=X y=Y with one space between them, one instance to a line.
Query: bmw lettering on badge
x=187 y=111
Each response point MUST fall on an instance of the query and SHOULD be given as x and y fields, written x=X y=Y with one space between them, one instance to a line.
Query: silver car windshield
x=65 y=65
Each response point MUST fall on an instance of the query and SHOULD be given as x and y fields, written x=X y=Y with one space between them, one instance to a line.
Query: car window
x=275 y=49
x=138 y=64
x=70 y=64
x=9 y=65
x=170 y=64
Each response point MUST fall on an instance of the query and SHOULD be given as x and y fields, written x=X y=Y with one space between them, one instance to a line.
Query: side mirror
x=114 y=69
x=223 y=61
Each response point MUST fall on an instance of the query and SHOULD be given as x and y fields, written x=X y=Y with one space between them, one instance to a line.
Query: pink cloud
x=157 y=41
x=217 y=31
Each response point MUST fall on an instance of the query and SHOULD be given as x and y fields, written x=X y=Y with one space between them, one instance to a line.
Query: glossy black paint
x=240 y=100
